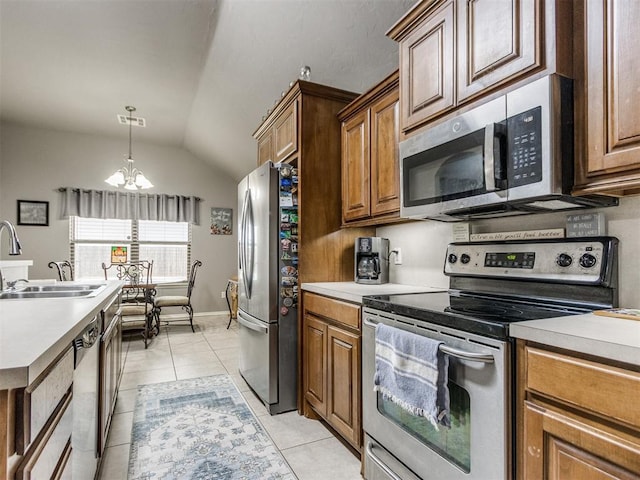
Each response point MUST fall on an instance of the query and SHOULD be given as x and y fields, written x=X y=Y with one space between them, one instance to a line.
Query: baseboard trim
x=205 y=314
x=176 y=316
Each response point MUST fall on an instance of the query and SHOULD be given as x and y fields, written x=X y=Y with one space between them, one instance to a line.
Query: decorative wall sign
x=118 y=254
x=586 y=225
x=519 y=235
x=221 y=221
x=33 y=212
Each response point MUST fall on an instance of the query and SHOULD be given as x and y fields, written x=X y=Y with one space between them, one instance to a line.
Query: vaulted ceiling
x=201 y=72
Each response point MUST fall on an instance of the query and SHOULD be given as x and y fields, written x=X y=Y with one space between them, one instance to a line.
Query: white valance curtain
x=129 y=205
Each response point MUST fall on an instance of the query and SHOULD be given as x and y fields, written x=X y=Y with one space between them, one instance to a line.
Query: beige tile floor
x=312 y=452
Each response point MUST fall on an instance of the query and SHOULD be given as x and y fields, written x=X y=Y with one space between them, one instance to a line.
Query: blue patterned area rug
x=200 y=428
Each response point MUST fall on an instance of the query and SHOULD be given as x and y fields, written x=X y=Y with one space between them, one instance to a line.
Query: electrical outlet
x=397 y=259
x=222 y=295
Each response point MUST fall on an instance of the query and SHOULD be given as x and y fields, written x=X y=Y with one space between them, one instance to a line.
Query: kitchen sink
x=54 y=291
x=59 y=288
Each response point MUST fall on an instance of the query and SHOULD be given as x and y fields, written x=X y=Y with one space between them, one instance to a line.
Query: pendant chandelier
x=129 y=176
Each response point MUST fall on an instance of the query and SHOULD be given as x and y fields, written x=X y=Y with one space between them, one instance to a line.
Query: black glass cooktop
x=486 y=314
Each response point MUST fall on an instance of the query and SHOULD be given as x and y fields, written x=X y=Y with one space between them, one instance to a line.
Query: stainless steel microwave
x=512 y=155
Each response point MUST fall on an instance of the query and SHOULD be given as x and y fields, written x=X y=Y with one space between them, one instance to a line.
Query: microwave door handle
x=489 y=158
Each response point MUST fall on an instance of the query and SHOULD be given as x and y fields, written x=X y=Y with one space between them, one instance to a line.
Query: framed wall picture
x=221 y=221
x=33 y=212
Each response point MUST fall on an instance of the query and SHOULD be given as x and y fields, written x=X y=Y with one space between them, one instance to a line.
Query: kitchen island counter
x=33 y=332
x=353 y=292
x=606 y=337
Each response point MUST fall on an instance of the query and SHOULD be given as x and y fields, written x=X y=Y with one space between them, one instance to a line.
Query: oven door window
x=454 y=444
x=449 y=171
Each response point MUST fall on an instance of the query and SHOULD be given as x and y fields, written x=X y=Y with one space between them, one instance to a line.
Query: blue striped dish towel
x=412 y=372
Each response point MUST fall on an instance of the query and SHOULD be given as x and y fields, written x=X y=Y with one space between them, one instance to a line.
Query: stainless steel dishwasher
x=84 y=436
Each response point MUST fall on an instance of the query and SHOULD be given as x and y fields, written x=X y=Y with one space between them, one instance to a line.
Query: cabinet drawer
x=336 y=310
x=44 y=459
x=603 y=389
x=40 y=399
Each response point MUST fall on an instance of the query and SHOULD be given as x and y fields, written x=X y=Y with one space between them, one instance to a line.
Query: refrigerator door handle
x=249 y=232
x=242 y=257
x=251 y=325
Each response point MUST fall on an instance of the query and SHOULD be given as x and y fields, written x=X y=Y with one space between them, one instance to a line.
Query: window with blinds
x=168 y=244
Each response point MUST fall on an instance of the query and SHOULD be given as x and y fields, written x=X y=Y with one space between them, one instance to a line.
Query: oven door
x=458 y=164
x=478 y=444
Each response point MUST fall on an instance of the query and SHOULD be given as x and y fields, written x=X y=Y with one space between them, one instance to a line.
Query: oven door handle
x=451 y=351
x=465 y=355
x=369 y=322
x=380 y=463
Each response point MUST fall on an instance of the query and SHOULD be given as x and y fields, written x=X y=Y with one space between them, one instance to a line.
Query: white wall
x=423 y=245
x=34 y=163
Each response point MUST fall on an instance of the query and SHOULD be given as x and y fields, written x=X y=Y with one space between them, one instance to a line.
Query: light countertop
x=16 y=263
x=606 y=337
x=34 y=331
x=353 y=292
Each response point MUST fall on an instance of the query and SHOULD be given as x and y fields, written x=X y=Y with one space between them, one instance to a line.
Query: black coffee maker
x=372 y=260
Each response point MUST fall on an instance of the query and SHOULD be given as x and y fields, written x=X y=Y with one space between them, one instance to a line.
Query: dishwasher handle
x=87 y=339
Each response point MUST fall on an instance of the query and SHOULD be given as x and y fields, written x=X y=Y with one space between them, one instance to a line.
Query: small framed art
x=33 y=212
x=221 y=221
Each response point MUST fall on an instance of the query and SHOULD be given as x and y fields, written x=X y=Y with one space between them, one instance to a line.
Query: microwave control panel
x=524 y=148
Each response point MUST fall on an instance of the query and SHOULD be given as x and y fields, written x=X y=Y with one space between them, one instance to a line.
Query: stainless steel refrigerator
x=267 y=284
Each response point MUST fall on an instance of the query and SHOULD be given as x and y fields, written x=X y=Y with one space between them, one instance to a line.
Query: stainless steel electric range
x=491 y=285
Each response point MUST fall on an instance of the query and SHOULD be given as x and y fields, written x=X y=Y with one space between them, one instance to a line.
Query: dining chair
x=64 y=270
x=137 y=308
x=183 y=302
x=231 y=294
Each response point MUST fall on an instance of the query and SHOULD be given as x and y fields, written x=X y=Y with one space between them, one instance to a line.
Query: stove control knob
x=587 y=260
x=564 y=260
x=453 y=258
x=464 y=258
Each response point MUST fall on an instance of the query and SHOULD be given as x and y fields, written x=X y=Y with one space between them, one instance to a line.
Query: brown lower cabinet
x=36 y=423
x=331 y=361
x=111 y=371
x=579 y=417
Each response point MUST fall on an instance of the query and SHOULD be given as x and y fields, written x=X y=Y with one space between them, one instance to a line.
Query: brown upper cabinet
x=370 y=168
x=280 y=140
x=265 y=147
x=497 y=40
x=455 y=51
x=607 y=96
x=303 y=131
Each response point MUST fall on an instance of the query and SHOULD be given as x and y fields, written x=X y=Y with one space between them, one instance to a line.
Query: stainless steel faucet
x=11 y=285
x=14 y=243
